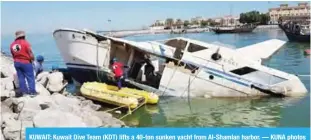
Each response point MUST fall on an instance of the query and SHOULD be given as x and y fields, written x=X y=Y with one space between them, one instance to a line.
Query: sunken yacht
x=182 y=67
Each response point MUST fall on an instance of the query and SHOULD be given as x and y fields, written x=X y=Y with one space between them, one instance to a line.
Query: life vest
x=117 y=69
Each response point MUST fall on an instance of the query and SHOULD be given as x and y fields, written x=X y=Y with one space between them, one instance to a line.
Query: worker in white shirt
x=56 y=82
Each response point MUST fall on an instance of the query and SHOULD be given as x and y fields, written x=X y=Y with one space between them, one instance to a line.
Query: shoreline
x=127 y=33
x=46 y=109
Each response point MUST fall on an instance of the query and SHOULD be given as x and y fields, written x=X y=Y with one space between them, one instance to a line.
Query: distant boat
x=296 y=28
x=235 y=29
x=301 y=35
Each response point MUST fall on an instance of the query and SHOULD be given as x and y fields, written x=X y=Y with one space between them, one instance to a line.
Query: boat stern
x=297 y=88
x=291 y=88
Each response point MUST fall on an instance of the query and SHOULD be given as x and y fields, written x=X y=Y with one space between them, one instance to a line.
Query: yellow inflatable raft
x=127 y=97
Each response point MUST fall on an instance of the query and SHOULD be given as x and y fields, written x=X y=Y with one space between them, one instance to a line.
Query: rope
x=132 y=110
x=171 y=78
x=129 y=110
x=115 y=108
x=189 y=94
x=97 y=70
x=189 y=83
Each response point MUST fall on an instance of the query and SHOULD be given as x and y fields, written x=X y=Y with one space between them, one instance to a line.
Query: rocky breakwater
x=46 y=109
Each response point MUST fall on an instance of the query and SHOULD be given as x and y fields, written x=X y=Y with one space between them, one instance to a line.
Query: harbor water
x=214 y=112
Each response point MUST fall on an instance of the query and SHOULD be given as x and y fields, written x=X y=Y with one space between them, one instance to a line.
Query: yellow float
x=126 y=97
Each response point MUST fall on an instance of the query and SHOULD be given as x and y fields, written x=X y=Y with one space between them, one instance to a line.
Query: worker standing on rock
x=38 y=68
x=23 y=57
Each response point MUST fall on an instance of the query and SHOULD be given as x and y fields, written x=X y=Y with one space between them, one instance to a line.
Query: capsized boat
x=179 y=66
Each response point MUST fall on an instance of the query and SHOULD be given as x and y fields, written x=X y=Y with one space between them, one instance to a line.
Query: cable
x=171 y=78
x=189 y=94
x=97 y=64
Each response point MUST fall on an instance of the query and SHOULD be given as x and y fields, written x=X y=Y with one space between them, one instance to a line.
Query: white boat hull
x=88 y=60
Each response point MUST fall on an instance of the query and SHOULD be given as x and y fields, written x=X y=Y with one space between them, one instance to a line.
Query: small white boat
x=184 y=67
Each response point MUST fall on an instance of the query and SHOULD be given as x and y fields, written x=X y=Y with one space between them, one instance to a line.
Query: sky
x=43 y=17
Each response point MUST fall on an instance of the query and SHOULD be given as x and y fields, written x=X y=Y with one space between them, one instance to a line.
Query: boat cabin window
x=258 y=76
x=180 y=45
x=243 y=70
x=194 y=47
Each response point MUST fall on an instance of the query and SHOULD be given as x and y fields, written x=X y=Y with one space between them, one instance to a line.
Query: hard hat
x=40 y=58
x=114 y=59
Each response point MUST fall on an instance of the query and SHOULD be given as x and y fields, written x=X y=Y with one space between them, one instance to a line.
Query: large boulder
x=64 y=103
x=5 y=109
x=88 y=116
x=80 y=98
x=25 y=102
x=5 y=116
x=11 y=128
x=8 y=102
x=57 y=118
x=90 y=104
x=5 y=93
x=28 y=107
x=42 y=78
x=7 y=69
x=1 y=136
x=15 y=129
x=7 y=83
x=41 y=90
x=108 y=120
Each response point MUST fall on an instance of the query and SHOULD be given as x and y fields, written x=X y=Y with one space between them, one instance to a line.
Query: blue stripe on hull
x=232 y=80
x=87 y=75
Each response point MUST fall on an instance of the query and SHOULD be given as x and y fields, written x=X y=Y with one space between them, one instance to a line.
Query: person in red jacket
x=23 y=57
x=117 y=68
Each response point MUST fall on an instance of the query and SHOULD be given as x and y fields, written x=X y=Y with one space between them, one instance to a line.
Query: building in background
x=227 y=20
x=197 y=20
x=230 y=20
x=303 y=9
